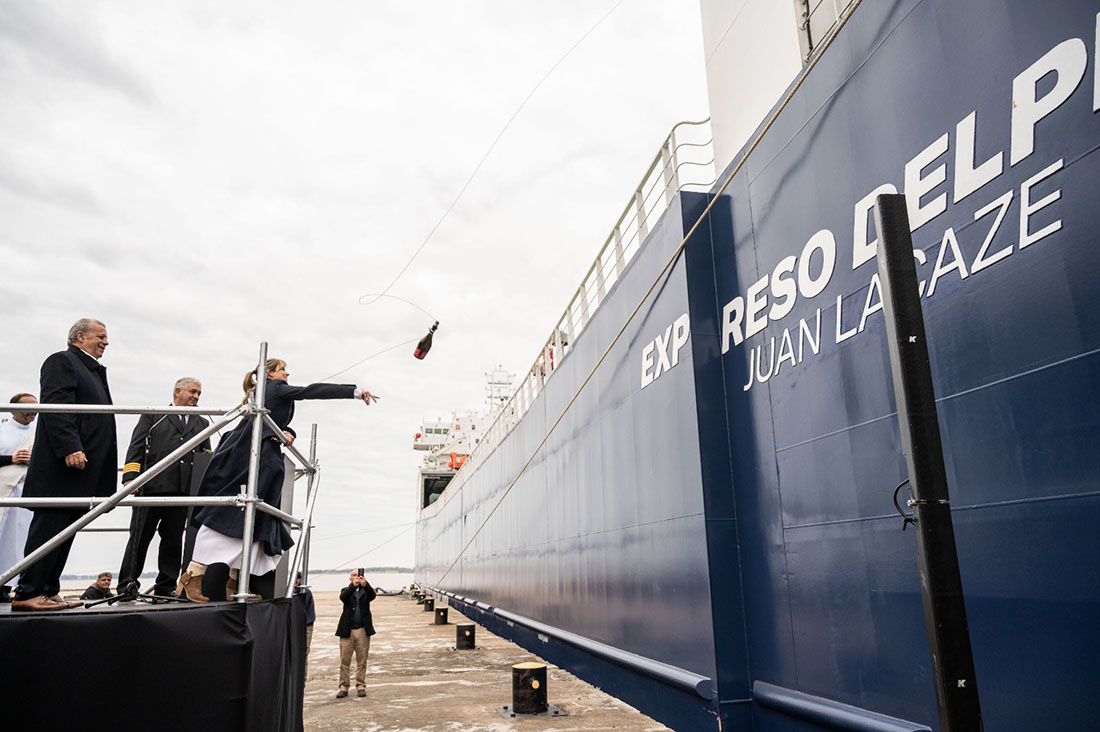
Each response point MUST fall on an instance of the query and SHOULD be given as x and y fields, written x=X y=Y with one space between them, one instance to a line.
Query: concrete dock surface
x=415 y=681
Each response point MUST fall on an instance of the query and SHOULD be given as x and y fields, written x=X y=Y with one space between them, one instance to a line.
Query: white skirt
x=212 y=547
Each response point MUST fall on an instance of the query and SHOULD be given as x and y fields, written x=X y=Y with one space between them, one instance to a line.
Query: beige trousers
x=360 y=643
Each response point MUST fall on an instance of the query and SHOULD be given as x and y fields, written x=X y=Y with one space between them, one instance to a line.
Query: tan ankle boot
x=190 y=584
x=232 y=583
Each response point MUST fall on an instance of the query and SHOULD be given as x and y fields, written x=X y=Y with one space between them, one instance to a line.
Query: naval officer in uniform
x=155 y=436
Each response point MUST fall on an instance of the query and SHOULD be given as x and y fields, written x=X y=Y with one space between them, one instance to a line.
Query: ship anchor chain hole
x=907 y=518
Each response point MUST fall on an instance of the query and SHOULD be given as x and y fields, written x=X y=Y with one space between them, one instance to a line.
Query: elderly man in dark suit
x=74 y=456
x=155 y=436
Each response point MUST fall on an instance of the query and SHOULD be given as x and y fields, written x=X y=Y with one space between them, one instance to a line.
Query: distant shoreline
x=370 y=570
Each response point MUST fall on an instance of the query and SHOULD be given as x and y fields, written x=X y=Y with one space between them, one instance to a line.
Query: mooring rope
x=660 y=275
x=377 y=547
x=492 y=146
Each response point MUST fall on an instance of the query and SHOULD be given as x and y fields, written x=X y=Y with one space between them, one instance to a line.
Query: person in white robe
x=16 y=441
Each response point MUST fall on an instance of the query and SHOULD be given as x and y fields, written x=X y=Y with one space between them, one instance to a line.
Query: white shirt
x=13 y=435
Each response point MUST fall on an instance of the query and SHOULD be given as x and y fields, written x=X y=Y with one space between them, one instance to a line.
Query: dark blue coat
x=228 y=469
x=73 y=377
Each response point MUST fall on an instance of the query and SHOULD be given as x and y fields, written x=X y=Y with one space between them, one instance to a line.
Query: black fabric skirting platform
x=222 y=666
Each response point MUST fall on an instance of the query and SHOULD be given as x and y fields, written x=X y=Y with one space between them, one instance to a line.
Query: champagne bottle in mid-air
x=425 y=343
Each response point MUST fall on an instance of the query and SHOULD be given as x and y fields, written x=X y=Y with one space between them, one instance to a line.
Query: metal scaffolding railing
x=685 y=161
x=247 y=499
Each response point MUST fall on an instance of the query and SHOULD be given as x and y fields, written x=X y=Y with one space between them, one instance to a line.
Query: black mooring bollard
x=429 y=604
x=529 y=688
x=441 y=616
x=464 y=637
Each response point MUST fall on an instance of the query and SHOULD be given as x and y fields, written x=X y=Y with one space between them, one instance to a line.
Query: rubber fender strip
x=667 y=673
x=831 y=714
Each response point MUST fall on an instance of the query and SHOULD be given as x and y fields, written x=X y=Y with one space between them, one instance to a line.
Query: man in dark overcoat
x=155 y=436
x=74 y=456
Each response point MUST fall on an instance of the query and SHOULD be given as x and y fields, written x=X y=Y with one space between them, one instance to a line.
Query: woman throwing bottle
x=214 y=569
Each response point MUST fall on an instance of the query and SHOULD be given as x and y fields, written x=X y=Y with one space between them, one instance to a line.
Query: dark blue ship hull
x=721 y=504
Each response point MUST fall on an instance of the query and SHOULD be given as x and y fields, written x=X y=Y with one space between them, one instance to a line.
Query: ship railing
x=685 y=161
x=818 y=18
x=247 y=499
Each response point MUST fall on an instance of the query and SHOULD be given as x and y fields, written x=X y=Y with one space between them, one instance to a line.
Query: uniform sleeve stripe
x=132 y=468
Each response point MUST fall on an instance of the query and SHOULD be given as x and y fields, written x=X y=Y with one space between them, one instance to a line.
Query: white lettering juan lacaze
x=936 y=179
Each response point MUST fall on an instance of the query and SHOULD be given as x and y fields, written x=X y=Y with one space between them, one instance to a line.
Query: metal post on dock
x=529 y=693
x=529 y=688
x=465 y=638
x=257 y=417
x=937 y=557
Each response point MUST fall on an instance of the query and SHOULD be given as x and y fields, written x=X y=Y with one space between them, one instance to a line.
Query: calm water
x=317 y=582
x=333 y=582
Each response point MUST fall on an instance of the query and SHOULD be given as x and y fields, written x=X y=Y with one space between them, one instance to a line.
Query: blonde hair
x=272 y=364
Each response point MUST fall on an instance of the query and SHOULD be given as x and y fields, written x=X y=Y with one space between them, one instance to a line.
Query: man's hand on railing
x=76 y=460
x=289 y=438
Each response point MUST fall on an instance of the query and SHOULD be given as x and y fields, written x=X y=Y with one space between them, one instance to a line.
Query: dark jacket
x=94 y=593
x=228 y=469
x=155 y=436
x=73 y=377
x=347 y=596
x=311 y=609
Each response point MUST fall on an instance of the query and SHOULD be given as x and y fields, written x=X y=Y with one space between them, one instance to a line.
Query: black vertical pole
x=937 y=558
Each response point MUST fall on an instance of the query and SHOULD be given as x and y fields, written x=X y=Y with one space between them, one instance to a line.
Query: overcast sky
x=203 y=176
